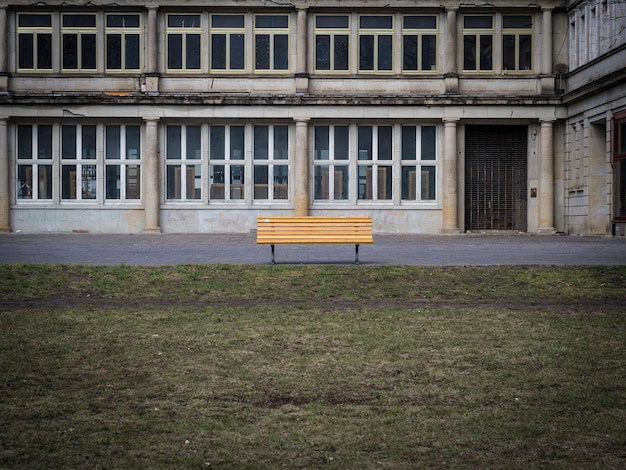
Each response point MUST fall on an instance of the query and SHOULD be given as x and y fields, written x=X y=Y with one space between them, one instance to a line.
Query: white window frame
x=129 y=166
x=338 y=169
x=419 y=163
x=83 y=184
x=189 y=187
x=232 y=186
x=273 y=162
x=370 y=186
x=36 y=167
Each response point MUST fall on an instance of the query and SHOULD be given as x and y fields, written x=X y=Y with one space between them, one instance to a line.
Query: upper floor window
x=78 y=42
x=419 y=43
x=228 y=33
x=332 y=43
x=34 y=41
x=183 y=42
x=376 y=43
x=123 y=42
x=271 y=42
x=34 y=161
x=478 y=34
x=517 y=43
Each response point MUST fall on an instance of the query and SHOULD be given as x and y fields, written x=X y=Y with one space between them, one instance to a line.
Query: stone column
x=301 y=207
x=302 y=75
x=547 y=80
x=4 y=177
x=451 y=75
x=450 y=177
x=150 y=187
x=546 y=179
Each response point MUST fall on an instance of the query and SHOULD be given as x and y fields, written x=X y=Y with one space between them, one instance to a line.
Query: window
x=227 y=163
x=517 y=43
x=376 y=43
x=123 y=42
x=478 y=43
x=183 y=153
x=419 y=43
x=419 y=170
x=34 y=42
x=332 y=43
x=375 y=155
x=228 y=35
x=331 y=162
x=78 y=42
x=78 y=162
x=122 y=158
x=271 y=42
x=271 y=169
x=183 y=42
x=34 y=162
x=619 y=166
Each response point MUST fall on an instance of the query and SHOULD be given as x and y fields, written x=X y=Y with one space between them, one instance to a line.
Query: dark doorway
x=496 y=177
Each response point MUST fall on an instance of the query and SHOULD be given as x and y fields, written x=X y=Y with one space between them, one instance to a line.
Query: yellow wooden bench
x=295 y=230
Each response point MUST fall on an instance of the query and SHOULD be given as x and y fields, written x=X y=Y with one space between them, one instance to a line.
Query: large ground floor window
x=619 y=166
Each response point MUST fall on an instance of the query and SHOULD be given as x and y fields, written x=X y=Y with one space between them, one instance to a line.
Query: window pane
x=322 y=143
x=114 y=51
x=183 y=21
x=321 y=178
x=44 y=51
x=322 y=52
x=341 y=182
x=366 y=53
x=262 y=51
x=408 y=143
x=70 y=51
x=132 y=51
x=173 y=182
x=429 y=136
x=133 y=146
x=112 y=182
x=469 y=53
x=620 y=190
x=217 y=182
x=525 y=52
x=25 y=48
x=409 y=53
x=174 y=51
x=429 y=52
x=428 y=183
x=261 y=182
x=523 y=22
x=272 y=21
x=281 y=52
x=41 y=21
x=622 y=138
x=113 y=142
x=24 y=182
x=24 y=142
x=173 y=142
x=385 y=52
x=366 y=186
x=68 y=182
x=133 y=182
x=342 y=142
x=88 y=142
x=194 y=142
x=281 y=142
x=227 y=21
x=384 y=182
x=237 y=189
x=261 y=142
x=123 y=21
x=376 y=22
x=89 y=51
x=68 y=141
x=486 y=50
x=237 y=52
x=217 y=144
x=218 y=51
x=193 y=51
x=44 y=141
x=194 y=181
x=478 y=22
x=420 y=22
x=323 y=21
x=237 y=150
x=88 y=176
x=44 y=181
x=409 y=183
x=385 y=143
x=281 y=182
x=508 y=52
x=341 y=52
x=365 y=142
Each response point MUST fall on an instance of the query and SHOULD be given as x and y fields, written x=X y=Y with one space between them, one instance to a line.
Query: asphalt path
x=417 y=250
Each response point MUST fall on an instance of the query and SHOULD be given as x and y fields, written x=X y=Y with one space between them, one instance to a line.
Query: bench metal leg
x=356 y=254
x=273 y=254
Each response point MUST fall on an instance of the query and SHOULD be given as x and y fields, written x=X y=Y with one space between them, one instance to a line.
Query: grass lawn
x=312 y=366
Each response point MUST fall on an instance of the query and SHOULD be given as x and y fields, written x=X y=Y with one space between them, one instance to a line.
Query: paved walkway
x=425 y=250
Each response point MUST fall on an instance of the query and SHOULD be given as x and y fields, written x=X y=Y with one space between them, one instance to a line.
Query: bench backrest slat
x=285 y=229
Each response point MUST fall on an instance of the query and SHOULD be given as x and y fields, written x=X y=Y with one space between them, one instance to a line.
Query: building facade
x=198 y=116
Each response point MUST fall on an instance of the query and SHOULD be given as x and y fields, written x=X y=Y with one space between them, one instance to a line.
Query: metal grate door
x=496 y=177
